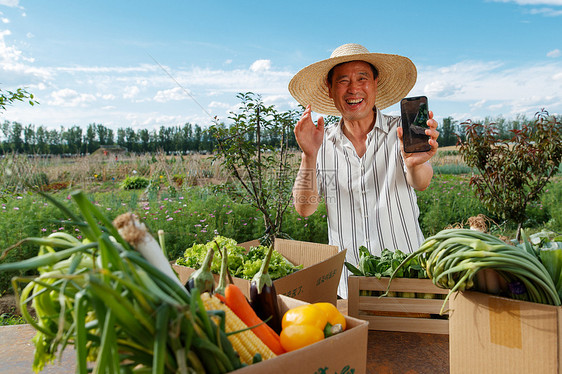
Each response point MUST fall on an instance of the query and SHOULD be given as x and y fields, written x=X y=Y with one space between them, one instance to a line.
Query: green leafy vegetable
x=241 y=264
x=384 y=265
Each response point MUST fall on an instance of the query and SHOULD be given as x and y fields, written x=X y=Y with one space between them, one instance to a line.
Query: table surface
x=387 y=352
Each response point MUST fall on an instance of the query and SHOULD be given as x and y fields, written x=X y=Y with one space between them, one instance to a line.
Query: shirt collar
x=337 y=132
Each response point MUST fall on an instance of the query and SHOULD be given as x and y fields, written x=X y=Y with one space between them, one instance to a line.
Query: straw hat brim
x=397 y=76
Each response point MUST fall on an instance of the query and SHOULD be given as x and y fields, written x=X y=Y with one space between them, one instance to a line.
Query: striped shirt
x=368 y=200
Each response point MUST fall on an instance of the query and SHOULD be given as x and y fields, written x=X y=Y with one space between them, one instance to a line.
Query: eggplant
x=202 y=278
x=263 y=297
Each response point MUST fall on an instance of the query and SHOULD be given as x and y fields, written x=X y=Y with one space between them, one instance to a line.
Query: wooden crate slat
x=397 y=313
x=404 y=324
x=400 y=285
x=401 y=304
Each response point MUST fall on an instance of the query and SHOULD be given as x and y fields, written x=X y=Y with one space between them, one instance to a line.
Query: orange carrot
x=236 y=301
x=220 y=297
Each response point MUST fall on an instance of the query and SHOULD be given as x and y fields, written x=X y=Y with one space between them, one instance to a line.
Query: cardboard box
x=490 y=334
x=317 y=281
x=344 y=353
x=397 y=313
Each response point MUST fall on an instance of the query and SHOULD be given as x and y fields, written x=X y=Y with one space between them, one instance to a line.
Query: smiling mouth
x=354 y=101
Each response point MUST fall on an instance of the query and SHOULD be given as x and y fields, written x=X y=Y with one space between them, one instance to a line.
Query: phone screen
x=415 y=114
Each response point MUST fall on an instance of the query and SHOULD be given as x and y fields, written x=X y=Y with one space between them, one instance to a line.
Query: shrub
x=512 y=175
x=135 y=183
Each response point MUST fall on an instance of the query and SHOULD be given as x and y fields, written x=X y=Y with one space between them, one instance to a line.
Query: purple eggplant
x=263 y=297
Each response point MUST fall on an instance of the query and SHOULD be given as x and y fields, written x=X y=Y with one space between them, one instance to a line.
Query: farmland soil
x=8 y=304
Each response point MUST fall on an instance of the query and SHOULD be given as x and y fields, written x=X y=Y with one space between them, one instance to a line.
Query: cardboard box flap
x=251 y=243
x=315 y=283
x=304 y=253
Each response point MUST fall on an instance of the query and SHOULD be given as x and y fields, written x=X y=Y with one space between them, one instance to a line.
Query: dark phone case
x=415 y=113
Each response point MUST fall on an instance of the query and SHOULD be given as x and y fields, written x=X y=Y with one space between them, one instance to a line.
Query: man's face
x=354 y=89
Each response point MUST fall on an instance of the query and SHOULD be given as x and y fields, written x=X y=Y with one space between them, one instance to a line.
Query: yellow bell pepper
x=333 y=314
x=308 y=324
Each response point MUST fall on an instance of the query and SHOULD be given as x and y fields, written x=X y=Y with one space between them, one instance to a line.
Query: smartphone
x=415 y=113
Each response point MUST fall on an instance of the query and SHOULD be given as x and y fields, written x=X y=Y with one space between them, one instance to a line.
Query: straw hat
x=397 y=76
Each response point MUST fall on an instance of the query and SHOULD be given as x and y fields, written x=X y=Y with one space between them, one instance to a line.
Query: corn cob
x=246 y=343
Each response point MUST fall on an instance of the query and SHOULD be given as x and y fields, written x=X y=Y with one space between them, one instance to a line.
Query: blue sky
x=110 y=62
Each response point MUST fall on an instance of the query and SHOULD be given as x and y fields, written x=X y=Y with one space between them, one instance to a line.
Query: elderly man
x=358 y=166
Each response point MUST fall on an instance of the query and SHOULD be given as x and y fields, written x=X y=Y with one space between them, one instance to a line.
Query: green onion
x=112 y=298
x=454 y=257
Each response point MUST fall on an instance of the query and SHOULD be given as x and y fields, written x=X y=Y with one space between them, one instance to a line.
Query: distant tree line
x=451 y=130
x=188 y=138
x=75 y=140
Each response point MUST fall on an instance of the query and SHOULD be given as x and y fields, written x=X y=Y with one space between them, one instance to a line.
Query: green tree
x=263 y=171
x=187 y=131
x=197 y=135
x=145 y=140
x=41 y=139
x=10 y=97
x=447 y=132
x=29 y=140
x=90 y=138
x=73 y=138
x=131 y=140
x=121 y=137
x=105 y=135
x=15 y=137
x=514 y=173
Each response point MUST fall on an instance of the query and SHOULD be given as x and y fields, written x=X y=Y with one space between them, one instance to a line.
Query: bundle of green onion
x=123 y=311
x=457 y=259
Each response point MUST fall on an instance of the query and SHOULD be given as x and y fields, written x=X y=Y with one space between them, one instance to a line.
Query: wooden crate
x=398 y=313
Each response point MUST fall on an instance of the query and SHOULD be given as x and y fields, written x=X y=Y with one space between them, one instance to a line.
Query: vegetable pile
x=463 y=259
x=384 y=265
x=123 y=311
x=115 y=298
x=241 y=264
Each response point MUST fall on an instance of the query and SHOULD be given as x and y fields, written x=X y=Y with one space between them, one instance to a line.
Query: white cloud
x=549 y=12
x=13 y=61
x=10 y=3
x=478 y=104
x=106 y=96
x=544 y=6
x=554 y=53
x=260 y=65
x=219 y=105
x=442 y=88
x=532 y=2
x=5 y=20
x=131 y=92
x=145 y=68
x=70 y=98
x=173 y=94
x=492 y=88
